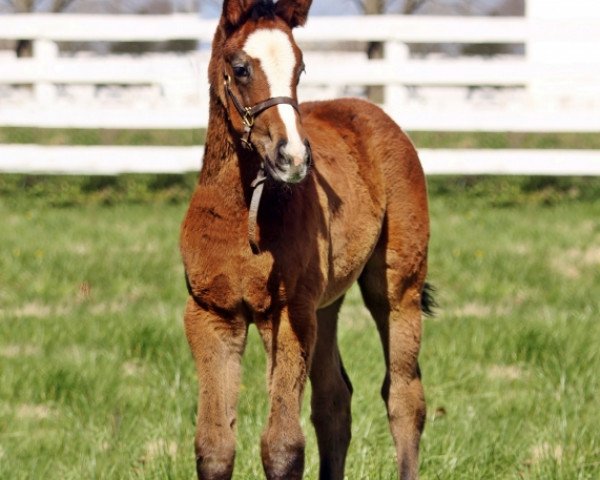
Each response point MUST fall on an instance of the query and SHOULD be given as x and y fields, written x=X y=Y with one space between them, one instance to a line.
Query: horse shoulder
x=211 y=249
x=351 y=189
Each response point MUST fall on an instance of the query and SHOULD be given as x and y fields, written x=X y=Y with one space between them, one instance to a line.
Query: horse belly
x=354 y=234
x=352 y=189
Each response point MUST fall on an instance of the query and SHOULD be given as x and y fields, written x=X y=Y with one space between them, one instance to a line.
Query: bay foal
x=344 y=199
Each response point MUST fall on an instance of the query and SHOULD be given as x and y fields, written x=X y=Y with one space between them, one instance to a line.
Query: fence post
x=396 y=55
x=45 y=52
x=559 y=53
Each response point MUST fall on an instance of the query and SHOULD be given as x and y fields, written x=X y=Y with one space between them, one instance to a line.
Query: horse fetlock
x=215 y=460
x=283 y=456
x=406 y=404
x=214 y=469
x=408 y=464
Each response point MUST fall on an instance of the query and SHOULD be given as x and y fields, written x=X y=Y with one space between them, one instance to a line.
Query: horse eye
x=241 y=71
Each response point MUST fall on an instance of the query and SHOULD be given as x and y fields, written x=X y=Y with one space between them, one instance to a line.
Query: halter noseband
x=248 y=114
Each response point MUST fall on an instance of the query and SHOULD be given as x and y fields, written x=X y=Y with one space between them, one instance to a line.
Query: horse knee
x=215 y=456
x=405 y=402
x=283 y=455
x=419 y=405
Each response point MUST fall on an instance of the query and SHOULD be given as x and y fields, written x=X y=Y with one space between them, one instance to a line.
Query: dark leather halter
x=248 y=115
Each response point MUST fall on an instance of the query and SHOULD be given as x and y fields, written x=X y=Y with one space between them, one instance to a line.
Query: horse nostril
x=282 y=157
x=281 y=146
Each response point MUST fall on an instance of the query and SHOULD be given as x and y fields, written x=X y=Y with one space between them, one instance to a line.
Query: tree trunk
x=411 y=6
x=375 y=93
x=24 y=47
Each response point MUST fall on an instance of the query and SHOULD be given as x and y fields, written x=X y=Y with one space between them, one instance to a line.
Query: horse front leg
x=217 y=345
x=289 y=340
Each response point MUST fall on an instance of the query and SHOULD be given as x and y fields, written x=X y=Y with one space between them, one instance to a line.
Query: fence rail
x=116 y=160
x=547 y=85
x=409 y=29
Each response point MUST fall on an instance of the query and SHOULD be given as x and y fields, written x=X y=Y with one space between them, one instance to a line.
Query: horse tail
x=428 y=303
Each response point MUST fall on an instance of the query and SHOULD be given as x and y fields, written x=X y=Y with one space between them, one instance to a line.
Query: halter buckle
x=248 y=118
x=249 y=114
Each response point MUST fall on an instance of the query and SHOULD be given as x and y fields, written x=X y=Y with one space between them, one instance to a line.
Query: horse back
x=383 y=153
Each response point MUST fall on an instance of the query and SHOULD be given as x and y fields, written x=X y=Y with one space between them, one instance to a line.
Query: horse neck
x=225 y=164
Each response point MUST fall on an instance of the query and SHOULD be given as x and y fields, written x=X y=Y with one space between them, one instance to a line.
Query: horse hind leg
x=331 y=396
x=394 y=302
x=217 y=345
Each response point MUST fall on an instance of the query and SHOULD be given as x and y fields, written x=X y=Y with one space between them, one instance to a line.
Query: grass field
x=80 y=136
x=96 y=380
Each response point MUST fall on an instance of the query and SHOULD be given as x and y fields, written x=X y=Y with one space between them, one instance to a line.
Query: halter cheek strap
x=248 y=114
x=257 y=186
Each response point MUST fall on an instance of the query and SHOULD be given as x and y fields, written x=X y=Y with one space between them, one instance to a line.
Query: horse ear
x=235 y=10
x=294 y=12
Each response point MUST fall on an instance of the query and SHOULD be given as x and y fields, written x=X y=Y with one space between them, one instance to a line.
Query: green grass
x=97 y=380
x=80 y=136
x=83 y=136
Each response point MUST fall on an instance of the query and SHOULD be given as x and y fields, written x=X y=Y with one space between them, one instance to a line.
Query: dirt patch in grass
x=132 y=369
x=33 y=412
x=15 y=351
x=158 y=448
x=36 y=310
x=480 y=310
x=545 y=451
x=571 y=262
x=505 y=372
x=474 y=309
x=33 y=309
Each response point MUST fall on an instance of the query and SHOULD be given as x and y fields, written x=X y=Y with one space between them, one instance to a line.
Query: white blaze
x=277 y=59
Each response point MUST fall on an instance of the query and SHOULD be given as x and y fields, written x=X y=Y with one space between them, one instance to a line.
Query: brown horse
x=344 y=199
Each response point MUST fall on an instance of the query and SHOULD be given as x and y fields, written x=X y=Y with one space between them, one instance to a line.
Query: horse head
x=254 y=71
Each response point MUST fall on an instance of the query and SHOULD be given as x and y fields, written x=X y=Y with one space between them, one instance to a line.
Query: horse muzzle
x=289 y=163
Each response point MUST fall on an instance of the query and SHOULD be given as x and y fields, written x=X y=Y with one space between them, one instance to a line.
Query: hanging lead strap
x=257 y=185
x=248 y=114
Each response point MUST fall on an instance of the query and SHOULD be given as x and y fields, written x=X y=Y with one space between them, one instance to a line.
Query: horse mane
x=262 y=9
x=254 y=11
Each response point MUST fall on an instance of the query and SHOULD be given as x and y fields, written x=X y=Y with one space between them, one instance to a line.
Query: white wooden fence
x=562 y=95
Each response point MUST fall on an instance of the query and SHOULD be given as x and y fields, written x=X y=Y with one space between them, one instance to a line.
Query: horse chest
x=223 y=273
x=257 y=283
